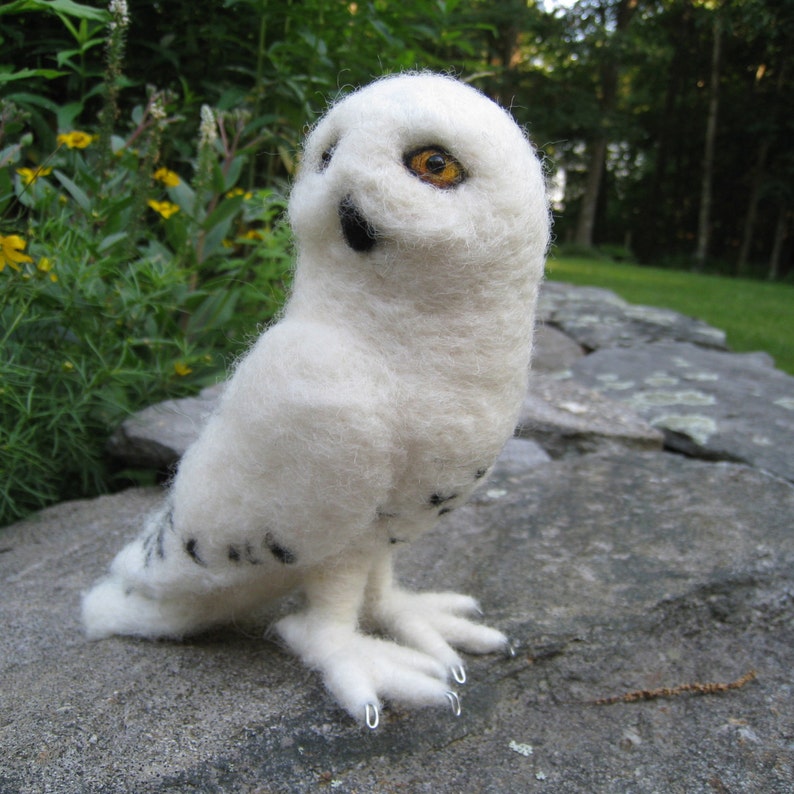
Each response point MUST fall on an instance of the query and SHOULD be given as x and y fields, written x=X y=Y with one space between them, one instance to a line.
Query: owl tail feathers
x=113 y=607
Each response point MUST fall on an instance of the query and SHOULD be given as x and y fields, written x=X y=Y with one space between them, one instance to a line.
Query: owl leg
x=433 y=623
x=358 y=669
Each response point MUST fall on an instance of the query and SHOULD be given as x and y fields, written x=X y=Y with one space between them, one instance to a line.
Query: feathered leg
x=358 y=670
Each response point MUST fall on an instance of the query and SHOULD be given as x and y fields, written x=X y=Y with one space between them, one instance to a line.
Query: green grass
x=755 y=315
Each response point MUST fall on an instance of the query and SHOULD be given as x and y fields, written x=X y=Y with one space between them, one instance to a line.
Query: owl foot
x=435 y=624
x=359 y=670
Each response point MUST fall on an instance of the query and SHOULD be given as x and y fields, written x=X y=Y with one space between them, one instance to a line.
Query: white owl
x=375 y=405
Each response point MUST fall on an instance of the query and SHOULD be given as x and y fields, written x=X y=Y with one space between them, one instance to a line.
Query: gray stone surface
x=710 y=404
x=556 y=296
x=597 y=318
x=566 y=418
x=521 y=454
x=554 y=350
x=158 y=436
x=613 y=574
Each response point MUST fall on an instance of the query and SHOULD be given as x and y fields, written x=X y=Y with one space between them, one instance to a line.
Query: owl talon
x=458 y=673
x=454 y=701
x=371 y=716
x=510 y=650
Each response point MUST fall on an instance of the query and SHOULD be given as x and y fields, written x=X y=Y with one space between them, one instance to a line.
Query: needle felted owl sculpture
x=375 y=405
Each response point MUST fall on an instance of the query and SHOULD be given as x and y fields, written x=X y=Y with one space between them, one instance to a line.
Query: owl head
x=417 y=179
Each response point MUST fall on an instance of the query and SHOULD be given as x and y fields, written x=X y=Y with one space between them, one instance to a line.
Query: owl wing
x=298 y=457
x=289 y=471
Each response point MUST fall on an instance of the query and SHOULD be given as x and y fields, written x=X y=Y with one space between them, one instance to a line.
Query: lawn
x=755 y=315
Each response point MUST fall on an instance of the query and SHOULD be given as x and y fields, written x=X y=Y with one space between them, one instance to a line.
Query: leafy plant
x=123 y=281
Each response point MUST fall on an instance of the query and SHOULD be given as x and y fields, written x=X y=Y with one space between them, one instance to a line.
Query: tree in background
x=707 y=169
x=604 y=25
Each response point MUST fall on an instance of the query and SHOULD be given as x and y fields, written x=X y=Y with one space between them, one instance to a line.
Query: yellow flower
x=167 y=177
x=30 y=175
x=45 y=265
x=238 y=191
x=182 y=369
x=164 y=208
x=75 y=139
x=253 y=234
x=11 y=248
x=67 y=366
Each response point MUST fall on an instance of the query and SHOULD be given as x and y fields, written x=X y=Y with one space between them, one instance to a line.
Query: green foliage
x=97 y=323
x=123 y=282
x=755 y=315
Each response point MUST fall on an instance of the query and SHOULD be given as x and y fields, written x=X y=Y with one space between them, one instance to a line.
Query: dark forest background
x=667 y=125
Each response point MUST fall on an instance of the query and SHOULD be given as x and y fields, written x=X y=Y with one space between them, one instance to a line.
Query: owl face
x=419 y=168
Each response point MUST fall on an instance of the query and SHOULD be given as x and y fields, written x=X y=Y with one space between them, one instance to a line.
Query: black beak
x=359 y=234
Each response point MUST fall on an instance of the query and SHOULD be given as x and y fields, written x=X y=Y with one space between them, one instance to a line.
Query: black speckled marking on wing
x=233 y=553
x=166 y=523
x=147 y=544
x=281 y=553
x=191 y=549
x=480 y=473
x=250 y=557
x=437 y=499
x=154 y=543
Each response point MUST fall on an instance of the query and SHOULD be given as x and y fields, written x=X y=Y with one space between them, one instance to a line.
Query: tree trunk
x=781 y=232
x=748 y=229
x=704 y=216
x=585 y=223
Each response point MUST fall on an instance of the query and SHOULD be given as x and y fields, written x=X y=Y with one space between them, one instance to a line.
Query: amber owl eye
x=434 y=165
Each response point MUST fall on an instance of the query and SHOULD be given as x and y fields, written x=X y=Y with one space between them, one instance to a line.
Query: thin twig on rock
x=664 y=692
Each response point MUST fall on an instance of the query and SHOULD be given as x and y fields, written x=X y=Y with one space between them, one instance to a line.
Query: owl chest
x=445 y=450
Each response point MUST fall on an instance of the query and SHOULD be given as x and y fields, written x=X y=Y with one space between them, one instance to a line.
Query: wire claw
x=371 y=716
x=458 y=673
x=454 y=701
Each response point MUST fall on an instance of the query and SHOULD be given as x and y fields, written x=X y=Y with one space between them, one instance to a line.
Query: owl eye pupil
x=436 y=163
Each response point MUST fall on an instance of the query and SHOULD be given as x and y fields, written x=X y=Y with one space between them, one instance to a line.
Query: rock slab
x=566 y=418
x=708 y=403
x=612 y=573
x=597 y=318
x=622 y=572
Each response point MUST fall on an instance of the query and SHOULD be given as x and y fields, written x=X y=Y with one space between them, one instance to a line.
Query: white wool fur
x=376 y=404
